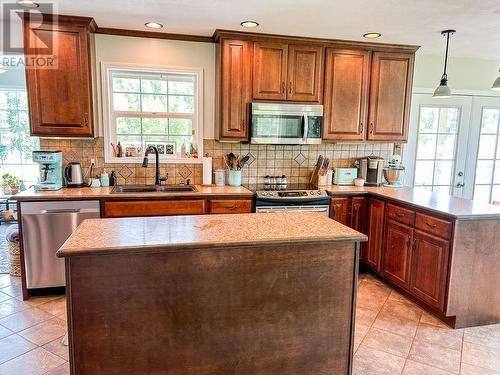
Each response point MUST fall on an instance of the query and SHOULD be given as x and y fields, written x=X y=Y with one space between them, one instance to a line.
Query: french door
x=436 y=153
x=483 y=166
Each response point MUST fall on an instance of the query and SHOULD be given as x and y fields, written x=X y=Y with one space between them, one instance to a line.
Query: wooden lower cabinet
x=358 y=221
x=154 y=208
x=376 y=210
x=340 y=210
x=230 y=206
x=429 y=269
x=398 y=241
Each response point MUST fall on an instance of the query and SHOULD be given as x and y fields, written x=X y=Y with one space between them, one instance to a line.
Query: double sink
x=153 y=189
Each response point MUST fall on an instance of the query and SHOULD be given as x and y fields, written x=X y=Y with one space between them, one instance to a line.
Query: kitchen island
x=212 y=294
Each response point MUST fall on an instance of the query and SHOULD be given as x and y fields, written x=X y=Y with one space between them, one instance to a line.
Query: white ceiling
x=400 y=21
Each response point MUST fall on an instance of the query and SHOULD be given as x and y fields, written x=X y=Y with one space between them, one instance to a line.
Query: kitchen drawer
x=226 y=206
x=403 y=215
x=154 y=208
x=433 y=225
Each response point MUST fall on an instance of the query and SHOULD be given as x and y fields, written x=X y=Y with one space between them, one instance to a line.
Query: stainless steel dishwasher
x=46 y=226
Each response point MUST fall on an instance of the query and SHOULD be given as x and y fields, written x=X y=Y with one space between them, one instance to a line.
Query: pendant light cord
x=446 y=53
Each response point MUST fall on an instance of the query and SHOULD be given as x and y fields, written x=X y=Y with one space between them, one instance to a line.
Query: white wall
x=119 y=49
x=463 y=73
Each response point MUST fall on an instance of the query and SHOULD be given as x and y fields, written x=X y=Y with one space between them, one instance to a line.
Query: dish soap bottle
x=104 y=179
x=112 y=179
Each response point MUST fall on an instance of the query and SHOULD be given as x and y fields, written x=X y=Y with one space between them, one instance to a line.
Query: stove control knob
x=263 y=194
x=311 y=192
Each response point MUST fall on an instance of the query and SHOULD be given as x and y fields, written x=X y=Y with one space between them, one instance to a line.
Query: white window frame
x=108 y=118
x=21 y=164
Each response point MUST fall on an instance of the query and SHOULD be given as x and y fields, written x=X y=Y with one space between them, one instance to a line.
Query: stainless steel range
x=291 y=197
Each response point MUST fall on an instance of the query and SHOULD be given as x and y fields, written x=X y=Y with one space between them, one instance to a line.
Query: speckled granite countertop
x=458 y=208
x=153 y=234
x=105 y=192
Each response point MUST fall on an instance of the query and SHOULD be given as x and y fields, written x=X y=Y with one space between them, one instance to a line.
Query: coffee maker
x=370 y=168
x=50 y=167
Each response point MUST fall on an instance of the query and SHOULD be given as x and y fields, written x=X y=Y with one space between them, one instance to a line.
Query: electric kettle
x=73 y=175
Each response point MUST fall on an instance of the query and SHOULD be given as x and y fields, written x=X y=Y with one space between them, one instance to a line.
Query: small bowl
x=359 y=182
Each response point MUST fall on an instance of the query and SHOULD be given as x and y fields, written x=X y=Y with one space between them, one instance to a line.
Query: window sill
x=138 y=160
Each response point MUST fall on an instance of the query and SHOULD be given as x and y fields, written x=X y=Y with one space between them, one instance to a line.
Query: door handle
x=371 y=127
x=360 y=128
x=460 y=185
x=306 y=126
x=290 y=88
x=283 y=84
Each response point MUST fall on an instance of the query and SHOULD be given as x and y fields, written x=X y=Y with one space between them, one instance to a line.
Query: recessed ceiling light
x=372 y=35
x=249 y=24
x=153 y=25
x=27 y=3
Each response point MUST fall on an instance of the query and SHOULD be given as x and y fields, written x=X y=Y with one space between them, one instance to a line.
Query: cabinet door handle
x=290 y=88
x=414 y=246
x=283 y=86
x=408 y=243
x=243 y=124
x=399 y=214
x=431 y=225
x=85 y=119
x=360 y=128
x=371 y=127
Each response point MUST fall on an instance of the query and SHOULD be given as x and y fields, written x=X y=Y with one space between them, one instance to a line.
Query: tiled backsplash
x=296 y=162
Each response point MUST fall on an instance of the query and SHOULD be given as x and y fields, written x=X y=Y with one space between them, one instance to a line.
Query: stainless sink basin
x=152 y=189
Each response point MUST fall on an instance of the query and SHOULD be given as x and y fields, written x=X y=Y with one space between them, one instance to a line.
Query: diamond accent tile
x=185 y=172
x=300 y=158
x=251 y=159
x=125 y=172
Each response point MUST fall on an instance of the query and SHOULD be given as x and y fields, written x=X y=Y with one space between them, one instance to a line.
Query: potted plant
x=10 y=184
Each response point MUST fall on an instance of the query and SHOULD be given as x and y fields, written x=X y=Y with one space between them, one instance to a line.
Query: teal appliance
x=50 y=167
x=344 y=176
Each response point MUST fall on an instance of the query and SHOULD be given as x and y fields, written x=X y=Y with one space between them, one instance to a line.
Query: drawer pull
x=399 y=214
x=431 y=225
x=231 y=207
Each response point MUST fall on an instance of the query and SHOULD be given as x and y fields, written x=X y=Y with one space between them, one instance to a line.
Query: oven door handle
x=305 y=126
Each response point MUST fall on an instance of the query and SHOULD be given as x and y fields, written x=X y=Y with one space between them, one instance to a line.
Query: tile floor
x=393 y=336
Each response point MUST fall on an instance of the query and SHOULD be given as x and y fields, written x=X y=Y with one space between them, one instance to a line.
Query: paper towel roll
x=207 y=171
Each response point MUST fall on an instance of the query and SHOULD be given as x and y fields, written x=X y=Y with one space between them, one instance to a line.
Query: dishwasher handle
x=62 y=211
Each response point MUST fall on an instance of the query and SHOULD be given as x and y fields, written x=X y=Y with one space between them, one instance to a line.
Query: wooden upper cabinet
x=236 y=89
x=305 y=66
x=376 y=210
x=390 y=94
x=60 y=97
x=270 y=70
x=397 y=253
x=429 y=269
x=345 y=94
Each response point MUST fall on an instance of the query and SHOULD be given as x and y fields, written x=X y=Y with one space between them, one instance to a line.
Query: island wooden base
x=274 y=309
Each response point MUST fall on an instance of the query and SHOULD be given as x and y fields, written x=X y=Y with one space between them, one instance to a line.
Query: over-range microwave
x=286 y=124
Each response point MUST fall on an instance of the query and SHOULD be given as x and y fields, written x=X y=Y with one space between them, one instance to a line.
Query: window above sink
x=151 y=105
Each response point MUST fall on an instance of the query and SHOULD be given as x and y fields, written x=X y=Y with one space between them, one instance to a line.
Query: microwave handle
x=305 y=126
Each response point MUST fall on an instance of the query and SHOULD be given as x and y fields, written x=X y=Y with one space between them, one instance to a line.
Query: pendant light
x=496 y=84
x=443 y=91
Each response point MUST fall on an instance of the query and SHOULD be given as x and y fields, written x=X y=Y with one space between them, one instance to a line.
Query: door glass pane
x=482 y=193
x=443 y=172
x=445 y=146
x=495 y=194
x=442 y=189
x=429 y=118
x=426 y=148
x=487 y=168
x=436 y=147
x=487 y=145
x=424 y=172
x=489 y=123
x=484 y=171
